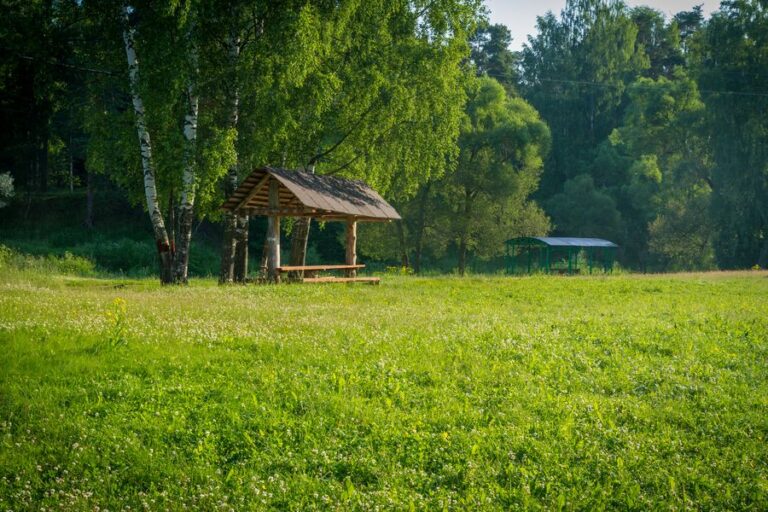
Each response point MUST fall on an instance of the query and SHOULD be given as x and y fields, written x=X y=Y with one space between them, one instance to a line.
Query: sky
x=520 y=15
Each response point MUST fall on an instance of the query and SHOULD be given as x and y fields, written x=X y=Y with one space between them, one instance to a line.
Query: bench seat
x=369 y=280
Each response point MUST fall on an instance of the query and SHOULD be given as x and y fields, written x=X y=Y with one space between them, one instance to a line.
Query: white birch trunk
x=229 y=246
x=189 y=181
x=145 y=144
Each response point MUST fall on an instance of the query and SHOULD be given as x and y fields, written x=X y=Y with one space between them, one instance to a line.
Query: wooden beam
x=315 y=214
x=273 y=232
x=282 y=212
x=255 y=190
x=351 y=246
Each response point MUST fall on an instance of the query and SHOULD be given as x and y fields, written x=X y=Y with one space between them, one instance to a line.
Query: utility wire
x=638 y=86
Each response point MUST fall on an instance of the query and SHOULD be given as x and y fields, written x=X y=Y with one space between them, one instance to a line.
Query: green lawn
x=628 y=393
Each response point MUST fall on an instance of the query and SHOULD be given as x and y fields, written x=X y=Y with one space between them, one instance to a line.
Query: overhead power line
x=609 y=85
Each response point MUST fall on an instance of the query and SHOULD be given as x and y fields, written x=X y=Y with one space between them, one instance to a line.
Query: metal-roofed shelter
x=277 y=193
x=558 y=255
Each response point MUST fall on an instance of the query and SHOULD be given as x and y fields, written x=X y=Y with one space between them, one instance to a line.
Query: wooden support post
x=351 y=246
x=273 y=233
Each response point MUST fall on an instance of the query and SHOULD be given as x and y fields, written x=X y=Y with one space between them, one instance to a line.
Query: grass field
x=625 y=392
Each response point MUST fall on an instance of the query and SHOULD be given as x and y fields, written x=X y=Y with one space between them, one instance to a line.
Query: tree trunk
x=417 y=256
x=229 y=242
x=42 y=157
x=464 y=239
x=150 y=188
x=228 y=246
x=89 y=200
x=71 y=167
x=420 y=227
x=299 y=238
x=462 y=256
x=188 y=178
x=403 y=248
x=172 y=223
x=241 y=249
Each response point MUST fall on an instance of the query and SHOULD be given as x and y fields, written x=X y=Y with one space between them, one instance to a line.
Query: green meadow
x=538 y=393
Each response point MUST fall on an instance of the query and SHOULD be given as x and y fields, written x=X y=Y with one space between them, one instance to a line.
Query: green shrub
x=70 y=264
x=204 y=260
x=124 y=256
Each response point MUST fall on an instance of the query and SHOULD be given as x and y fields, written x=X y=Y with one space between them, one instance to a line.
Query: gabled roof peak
x=303 y=193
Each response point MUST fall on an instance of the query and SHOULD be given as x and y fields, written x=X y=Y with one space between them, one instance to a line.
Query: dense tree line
x=658 y=130
x=612 y=122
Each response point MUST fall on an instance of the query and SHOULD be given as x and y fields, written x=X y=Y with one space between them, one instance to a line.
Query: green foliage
x=502 y=145
x=663 y=145
x=584 y=210
x=658 y=40
x=492 y=57
x=485 y=200
x=365 y=89
x=637 y=393
x=122 y=255
x=735 y=57
x=663 y=114
x=681 y=234
x=575 y=73
x=623 y=110
x=12 y=261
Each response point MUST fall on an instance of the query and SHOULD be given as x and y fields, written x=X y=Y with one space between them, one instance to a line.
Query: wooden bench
x=369 y=280
x=311 y=271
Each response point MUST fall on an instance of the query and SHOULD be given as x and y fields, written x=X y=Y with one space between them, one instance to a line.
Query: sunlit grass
x=631 y=392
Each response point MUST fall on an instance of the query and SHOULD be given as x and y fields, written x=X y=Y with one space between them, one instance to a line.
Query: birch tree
x=235 y=226
x=164 y=248
x=189 y=178
x=171 y=83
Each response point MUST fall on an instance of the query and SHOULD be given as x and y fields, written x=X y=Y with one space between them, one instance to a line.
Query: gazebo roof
x=303 y=194
x=562 y=241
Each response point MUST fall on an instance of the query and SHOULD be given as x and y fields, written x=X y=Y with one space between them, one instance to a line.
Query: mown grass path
x=628 y=393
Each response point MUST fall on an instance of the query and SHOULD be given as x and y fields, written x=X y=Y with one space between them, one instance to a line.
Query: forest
x=126 y=125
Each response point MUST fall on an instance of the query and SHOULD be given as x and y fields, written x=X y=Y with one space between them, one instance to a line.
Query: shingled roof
x=303 y=194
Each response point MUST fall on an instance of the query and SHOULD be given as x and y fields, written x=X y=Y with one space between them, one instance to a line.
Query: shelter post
x=528 y=253
x=351 y=245
x=273 y=231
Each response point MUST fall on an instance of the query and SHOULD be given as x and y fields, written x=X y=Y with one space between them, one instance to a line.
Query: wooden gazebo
x=277 y=193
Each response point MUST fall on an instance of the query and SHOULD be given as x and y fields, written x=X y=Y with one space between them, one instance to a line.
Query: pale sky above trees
x=520 y=15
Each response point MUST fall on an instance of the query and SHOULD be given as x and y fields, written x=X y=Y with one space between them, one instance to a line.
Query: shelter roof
x=304 y=194
x=563 y=241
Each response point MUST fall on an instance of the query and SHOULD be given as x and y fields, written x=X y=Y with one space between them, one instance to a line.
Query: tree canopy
x=613 y=121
